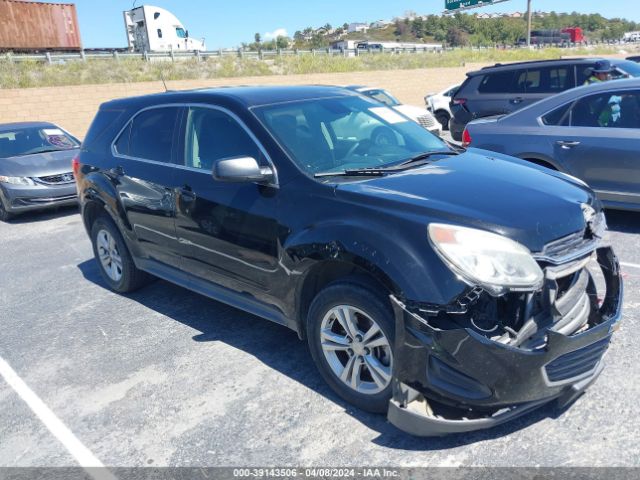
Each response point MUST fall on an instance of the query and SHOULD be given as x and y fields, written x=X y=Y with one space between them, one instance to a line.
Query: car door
x=143 y=176
x=498 y=93
x=227 y=231
x=602 y=144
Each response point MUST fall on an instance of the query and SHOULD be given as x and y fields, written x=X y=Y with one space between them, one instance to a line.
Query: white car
x=418 y=114
x=438 y=104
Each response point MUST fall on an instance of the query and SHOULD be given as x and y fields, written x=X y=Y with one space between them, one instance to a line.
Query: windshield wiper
x=423 y=156
x=417 y=160
x=361 y=172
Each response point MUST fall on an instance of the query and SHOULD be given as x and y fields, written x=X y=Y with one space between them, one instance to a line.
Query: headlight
x=485 y=259
x=17 y=180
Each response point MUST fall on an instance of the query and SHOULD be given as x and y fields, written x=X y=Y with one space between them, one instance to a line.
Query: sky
x=226 y=24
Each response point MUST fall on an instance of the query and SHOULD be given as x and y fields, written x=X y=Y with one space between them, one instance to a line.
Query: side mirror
x=241 y=170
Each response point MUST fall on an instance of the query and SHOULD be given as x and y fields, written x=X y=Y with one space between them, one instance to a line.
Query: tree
x=282 y=42
x=258 y=38
x=456 y=37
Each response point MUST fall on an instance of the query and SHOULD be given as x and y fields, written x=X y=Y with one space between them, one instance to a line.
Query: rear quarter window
x=101 y=123
x=511 y=81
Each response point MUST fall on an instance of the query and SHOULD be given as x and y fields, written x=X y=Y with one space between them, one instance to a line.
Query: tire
x=443 y=118
x=384 y=136
x=4 y=215
x=371 y=359
x=123 y=276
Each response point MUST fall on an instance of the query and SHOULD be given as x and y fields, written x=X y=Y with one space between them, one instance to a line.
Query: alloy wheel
x=109 y=255
x=356 y=349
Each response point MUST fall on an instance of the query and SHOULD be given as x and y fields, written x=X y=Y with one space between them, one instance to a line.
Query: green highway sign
x=458 y=4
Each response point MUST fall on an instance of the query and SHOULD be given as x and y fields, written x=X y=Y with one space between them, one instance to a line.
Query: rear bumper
x=453 y=381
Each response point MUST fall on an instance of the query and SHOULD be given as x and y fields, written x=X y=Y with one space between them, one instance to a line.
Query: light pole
x=529 y=13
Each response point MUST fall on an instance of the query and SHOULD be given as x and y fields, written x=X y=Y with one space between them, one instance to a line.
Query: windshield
x=30 y=141
x=630 y=68
x=345 y=133
x=382 y=97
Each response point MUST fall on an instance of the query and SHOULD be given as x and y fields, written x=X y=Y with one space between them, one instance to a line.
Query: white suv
x=419 y=115
x=438 y=105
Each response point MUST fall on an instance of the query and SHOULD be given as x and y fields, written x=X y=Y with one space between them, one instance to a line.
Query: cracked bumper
x=481 y=383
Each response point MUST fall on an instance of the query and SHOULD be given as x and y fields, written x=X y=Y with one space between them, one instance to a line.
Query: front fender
x=404 y=262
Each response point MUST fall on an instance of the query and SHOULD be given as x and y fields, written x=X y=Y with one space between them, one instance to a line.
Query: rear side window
x=610 y=110
x=213 y=135
x=559 y=117
x=149 y=135
x=503 y=82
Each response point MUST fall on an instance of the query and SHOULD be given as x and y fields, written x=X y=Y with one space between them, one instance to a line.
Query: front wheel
x=350 y=334
x=5 y=216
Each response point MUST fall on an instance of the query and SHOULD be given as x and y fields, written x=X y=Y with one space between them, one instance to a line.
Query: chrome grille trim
x=567 y=249
x=59 y=179
x=426 y=121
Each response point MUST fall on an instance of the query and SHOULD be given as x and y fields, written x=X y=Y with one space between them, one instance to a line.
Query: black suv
x=450 y=288
x=503 y=89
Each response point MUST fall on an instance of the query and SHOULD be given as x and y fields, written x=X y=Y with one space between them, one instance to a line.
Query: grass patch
x=26 y=74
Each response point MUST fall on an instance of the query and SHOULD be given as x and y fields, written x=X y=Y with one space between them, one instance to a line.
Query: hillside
x=458 y=30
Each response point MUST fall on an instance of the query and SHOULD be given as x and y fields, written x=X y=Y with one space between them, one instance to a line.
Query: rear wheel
x=114 y=260
x=443 y=118
x=350 y=333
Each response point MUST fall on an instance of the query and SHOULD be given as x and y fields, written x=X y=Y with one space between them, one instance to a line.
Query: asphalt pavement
x=167 y=377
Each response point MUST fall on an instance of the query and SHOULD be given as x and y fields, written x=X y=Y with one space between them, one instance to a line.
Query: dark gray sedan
x=592 y=133
x=35 y=167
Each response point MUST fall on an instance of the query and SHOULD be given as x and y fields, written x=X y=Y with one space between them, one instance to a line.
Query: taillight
x=466 y=138
x=459 y=101
x=75 y=165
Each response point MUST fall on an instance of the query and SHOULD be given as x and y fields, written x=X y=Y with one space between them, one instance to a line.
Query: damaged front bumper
x=460 y=379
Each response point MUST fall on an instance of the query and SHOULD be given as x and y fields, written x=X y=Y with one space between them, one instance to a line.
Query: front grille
x=59 y=179
x=578 y=363
x=426 y=121
x=568 y=248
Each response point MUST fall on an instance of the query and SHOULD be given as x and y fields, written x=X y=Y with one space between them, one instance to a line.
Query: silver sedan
x=592 y=133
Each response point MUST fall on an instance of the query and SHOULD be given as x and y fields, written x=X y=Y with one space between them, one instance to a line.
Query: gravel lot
x=167 y=377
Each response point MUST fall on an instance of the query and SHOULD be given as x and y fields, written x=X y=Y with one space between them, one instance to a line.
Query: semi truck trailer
x=27 y=27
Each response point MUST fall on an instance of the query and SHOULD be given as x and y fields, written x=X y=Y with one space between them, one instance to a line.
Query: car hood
x=532 y=205
x=38 y=165
x=411 y=111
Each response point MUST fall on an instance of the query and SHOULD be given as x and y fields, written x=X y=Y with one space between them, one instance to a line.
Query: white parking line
x=83 y=456
x=631 y=265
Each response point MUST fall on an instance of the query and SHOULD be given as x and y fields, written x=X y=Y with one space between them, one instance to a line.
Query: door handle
x=117 y=171
x=187 y=193
x=566 y=144
x=517 y=100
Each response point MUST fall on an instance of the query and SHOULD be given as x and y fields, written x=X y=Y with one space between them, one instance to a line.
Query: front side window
x=212 y=135
x=150 y=135
x=334 y=134
x=31 y=141
x=181 y=33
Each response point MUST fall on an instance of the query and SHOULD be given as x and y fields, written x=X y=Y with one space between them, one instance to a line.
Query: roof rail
x=533 y=62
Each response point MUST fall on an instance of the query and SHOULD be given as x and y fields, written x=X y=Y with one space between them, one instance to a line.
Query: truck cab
x=154 y=29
